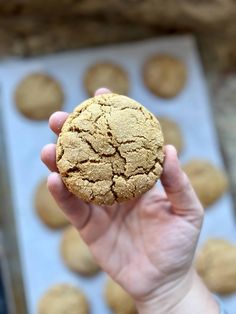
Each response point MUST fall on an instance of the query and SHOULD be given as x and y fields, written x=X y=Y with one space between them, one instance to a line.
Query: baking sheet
x=39 y=246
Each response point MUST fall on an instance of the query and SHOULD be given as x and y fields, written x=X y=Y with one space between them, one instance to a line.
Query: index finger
x=57 y=120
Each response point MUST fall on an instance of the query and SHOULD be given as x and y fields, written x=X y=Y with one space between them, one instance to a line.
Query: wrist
x=182 y=297
x=164 y=299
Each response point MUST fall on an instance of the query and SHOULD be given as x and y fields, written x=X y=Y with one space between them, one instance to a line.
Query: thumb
x=178 y=188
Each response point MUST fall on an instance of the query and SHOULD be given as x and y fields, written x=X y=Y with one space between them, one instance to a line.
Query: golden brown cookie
x=216 y=264
x=209 y=182
x=117 y=299
x=47 y=209
x=165 y=75
x=76 y=254
x=106 y=74
x=172 y=133
x=38 y=95
x=110 y=150
x=63 y=298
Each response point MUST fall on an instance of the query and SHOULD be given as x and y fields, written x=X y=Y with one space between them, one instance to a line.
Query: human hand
x=147 y=245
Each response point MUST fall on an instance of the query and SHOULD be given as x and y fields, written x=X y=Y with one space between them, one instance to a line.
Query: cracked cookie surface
x=110 y=150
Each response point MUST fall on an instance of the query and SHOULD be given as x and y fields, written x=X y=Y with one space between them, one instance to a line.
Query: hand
x=147 y=245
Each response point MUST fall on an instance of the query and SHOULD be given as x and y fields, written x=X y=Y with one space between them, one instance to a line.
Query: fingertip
x=43 y=153
x=102 y=90
x=54 y=182
x=170 y=151
x=57 y=188
x=57 y=120
x=47 y=147
x=48 y=156
x=54 y=116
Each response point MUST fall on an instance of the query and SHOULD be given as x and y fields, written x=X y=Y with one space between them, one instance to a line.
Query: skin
x=147 y=245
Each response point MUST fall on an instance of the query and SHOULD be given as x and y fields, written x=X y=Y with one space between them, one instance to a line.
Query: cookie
x=47 y=209
x=38 y=95
x=209 y=182
x=117 y=299
x=63 y=298
x=172 y=133
x=110 y=150
x=165 y=75
x=216 y=264
x=106 y=74
x=76 y=254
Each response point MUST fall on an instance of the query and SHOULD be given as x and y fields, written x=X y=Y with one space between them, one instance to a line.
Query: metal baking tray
x=39 y=260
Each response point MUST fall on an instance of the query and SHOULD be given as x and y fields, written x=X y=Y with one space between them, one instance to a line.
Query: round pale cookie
x=38 y=95
x=76 y=254
x=209 y=182
x=216 y=263
x=172 y=133
x=110 y=150
x=47 y=209
x=63 y=298
x=106 y=74
x=117 y=299
x=164 y=75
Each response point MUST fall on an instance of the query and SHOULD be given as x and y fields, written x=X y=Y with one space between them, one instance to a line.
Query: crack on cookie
x=96 y=120
x=135 y=150
x=113 y=183
x=140 y=170
x=78 y=130
x=60 y=155
x=147 y=173
x=124 y=108
x=160 y=161
x=74 y=129
x=126 y=142
x=89 y=144
x=117 y=147
x=91 y=161
x=71 y=170
x=154 y=166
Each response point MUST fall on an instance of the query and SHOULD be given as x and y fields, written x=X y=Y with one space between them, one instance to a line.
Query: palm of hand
x=140 y=243
x=143 y=244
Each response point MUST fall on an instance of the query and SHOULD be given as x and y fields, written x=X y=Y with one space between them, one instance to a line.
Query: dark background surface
x=3 y=308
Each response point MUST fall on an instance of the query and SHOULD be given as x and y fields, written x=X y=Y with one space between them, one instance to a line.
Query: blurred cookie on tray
x=216 y=264
x=208 y=181
x=165 y=75
x=38 y=95
x=172 y=133
x=63 y=298
x=106 y=74
x=76 y=254
x=47 y=209
x=117 y=299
